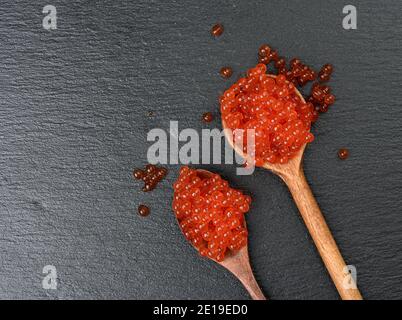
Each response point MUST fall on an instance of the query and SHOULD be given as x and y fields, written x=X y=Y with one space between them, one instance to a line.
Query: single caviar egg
x=210 y=213
x=270 y=105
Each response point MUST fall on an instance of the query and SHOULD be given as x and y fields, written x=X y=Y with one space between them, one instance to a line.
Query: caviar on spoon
x=211 y=216
x=281 y=118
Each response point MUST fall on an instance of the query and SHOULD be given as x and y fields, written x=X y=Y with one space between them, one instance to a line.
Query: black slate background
x=73 y=123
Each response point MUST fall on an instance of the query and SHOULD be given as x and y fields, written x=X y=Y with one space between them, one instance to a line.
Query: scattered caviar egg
x=317 y=94
x=343 y=153
x=299 y=74
x=217 y=30
x=323 y=108
x=329 y=99
x=210 y=213
x=274 y=109
x=273 y=55
x=138 y=174
x=207 y=117
x=149 y=168
x=294 y=62
x=280 y=63
x=143 y=210
x=264 y=50
x=321 y=97
x=325 y=72
x=264 y=60
x=226 y=72
x=326 y=89
x=327 y=68
x=151 y=175
x=323 y=76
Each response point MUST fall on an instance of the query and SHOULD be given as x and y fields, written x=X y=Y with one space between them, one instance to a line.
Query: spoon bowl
x=238 y=262
x=293 y=176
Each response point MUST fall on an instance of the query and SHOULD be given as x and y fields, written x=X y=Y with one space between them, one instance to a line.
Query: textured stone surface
x=73 y=123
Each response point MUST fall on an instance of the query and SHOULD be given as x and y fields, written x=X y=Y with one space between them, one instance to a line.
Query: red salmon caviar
x=210 y=213
x=143 y=210
x=207 y=117
x=271 y=106
x=151 y=175
x=217 y=30
x=343 y=153
x=226 y=72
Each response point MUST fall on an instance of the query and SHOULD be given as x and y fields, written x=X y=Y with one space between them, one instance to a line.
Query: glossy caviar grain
x=323 y=76
x=273 y=55
x=210 y=213
x=207 y=117
x=329 y=99
x=272 y=108
x=323 y=108
x=321 y=97
x=264 y=50
x=151 y=175
x=217 y=30
x=327 y=68
x=138 y=174
x=143 y=210
x=343 y=153
x=226 y=72
x=299 y=74
x=280 y=63
x=294 y=63
x=264 y=60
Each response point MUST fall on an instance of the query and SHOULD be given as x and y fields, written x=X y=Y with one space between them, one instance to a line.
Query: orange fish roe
x=270 y=106
x=210 y=213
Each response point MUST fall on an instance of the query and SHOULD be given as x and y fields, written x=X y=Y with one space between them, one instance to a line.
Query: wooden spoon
x=238 y=263
x=292 y=174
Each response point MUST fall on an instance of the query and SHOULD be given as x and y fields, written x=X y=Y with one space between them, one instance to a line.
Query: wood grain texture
x=239 y=265
x=293 y=175
x=74 y=117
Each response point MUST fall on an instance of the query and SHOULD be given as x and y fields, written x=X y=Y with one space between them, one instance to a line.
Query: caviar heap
x=272 y=107
x=210 y=213
x=300 y=74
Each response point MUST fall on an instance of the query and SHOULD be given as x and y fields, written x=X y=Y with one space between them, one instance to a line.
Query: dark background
x=74 y=116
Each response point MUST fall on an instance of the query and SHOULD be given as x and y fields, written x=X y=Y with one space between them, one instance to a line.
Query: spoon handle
x=239 y=265
x=321 y=235
x=247 y=278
